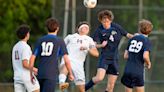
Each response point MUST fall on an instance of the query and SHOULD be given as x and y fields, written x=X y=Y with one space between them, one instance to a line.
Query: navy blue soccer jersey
x=48 y=49
x=113 y=35
x=136 y=47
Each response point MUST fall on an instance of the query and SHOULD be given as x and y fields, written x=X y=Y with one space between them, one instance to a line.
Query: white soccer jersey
x=74 y=42
x=77 y=56
x=20 y=52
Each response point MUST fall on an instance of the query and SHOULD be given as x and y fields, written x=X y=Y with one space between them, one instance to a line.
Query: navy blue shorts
x=111 y=68
x=47 y=85
x=132 y=80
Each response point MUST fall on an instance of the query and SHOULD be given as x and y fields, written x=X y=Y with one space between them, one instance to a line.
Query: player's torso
x=113 y=36
x=75 y=42
x=20 y=50
x=136 y=49
x=49 y=50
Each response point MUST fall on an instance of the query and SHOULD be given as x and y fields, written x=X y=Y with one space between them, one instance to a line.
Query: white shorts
x=78 y=72
x=25 y=84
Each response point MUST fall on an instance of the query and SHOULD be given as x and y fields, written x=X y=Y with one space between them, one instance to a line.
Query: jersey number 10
x=135 y=46
x=47 y=48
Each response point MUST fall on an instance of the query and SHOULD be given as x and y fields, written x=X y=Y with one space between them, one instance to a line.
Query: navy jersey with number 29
x=136 y=47
x=49 y=48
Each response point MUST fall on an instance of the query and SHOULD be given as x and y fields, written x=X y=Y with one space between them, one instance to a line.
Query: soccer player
x=49 y=48
x=137 y=55
x=107 y=36
x=21 y=54
x=78 y=45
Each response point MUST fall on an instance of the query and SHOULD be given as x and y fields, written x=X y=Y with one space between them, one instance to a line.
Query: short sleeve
x=37 y=48
x=122 y=30
x=91 y=44
x=147 y=46
x=26 y=53
x=96 y=36
x=62 y=49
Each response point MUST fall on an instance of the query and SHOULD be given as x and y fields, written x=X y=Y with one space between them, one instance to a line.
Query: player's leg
x=81 y=88
x=48 y=85
x=111 y=82
x=126 y=80
x=19 y=87
x=127 y=89
x=96 y=79
x=31 y=87
x=140 y=89
x=112 y=72
x=63 y=76
x=79 y=78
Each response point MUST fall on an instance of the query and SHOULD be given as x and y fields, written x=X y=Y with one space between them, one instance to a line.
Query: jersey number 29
x=135 y=46
x=47 y=48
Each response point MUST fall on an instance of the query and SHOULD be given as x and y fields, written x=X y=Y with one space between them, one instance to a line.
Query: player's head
x=23 y=31
x=145 y=27
x=52 y=25
x=105 y=17
x=83 y=28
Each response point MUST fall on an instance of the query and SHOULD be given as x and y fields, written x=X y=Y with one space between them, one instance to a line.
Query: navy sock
x=89 y=85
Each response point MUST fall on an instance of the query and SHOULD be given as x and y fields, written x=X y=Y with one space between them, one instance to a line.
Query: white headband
x=83 y=25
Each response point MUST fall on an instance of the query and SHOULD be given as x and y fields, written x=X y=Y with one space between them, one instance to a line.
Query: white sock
x=62 y=78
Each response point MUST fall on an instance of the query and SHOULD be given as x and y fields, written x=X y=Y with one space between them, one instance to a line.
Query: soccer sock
x=62 y=78
x=89 y=85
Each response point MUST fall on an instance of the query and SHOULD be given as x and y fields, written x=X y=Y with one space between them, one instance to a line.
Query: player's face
x=85 y=30
x=106 y=22
x=28 y=35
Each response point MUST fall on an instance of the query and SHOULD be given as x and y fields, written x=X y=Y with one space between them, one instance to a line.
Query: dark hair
x=22 y=31
x=81 y=23
x=52 y=24
x=145 y=26
x=105 y=14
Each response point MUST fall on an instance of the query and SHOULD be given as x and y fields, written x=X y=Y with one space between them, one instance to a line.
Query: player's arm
x=27 y=66
x=126 y=54
x=147 y=59
x=94 y=52
x=68 y=66
x=31 y=65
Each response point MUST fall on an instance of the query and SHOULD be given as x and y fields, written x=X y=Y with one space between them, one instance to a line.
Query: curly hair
x=22 y=31
x=52 y=24
x=105 y=14
x=145 y=26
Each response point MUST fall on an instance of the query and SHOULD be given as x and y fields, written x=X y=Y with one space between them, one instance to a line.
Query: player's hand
x=104 y=43
x=35 y=70
x=71 y=77
x=148 y=66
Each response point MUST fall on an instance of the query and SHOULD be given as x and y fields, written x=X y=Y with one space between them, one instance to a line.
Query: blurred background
x=69 y=12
